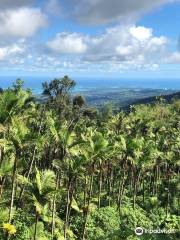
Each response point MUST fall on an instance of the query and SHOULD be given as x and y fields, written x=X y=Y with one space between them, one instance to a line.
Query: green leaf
x=75 y=206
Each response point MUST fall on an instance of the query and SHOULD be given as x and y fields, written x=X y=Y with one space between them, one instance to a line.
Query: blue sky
x=97 y=38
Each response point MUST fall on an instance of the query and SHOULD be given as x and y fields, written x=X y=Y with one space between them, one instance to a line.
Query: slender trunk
x=168 y=196
x=110 y=186
x=153 y=182
x=13 y=190
x=85 y=191
x=157 y=179
x=100 y=188
x=2 y=186
x=131 y=179
x=35 y=228
x=121 y=197
x=121 y=190
x=88 y=204
x=2 y=153
x=150 y=184
x=67 y=209
x=136 y=182
x=54 y=207
x=73 y=186
x=143 y=191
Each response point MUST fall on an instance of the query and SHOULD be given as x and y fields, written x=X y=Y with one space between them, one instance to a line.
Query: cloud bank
x=121 y=44
x=103 y=11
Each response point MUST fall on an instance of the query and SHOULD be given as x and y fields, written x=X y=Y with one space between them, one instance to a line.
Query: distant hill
x=168 y=98
x=122 y=98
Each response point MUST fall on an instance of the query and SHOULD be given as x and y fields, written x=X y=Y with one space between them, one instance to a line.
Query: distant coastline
x=84 y=84
x=98 y=92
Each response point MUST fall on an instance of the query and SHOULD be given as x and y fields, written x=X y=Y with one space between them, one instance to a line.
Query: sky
x=90 y=38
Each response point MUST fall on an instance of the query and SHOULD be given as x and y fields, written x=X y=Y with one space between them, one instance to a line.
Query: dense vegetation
x=70 y=172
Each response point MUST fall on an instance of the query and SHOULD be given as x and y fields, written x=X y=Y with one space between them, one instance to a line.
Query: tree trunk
x=150 y=184
x=120 y=192
x=13 y=190
x=2 y=185
x=131 y=179
x=136 y=182
x=143 y=191
x=88 y=204
x=85 y=191
x=100 y=188
x=168 y=196
x=110 y=186
x=54 y=207
x=35 y=228
x=157 y=180
x=73 y=186
x=67 y=209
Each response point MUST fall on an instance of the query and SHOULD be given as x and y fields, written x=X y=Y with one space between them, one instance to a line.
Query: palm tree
x=95 y=147
x=41 y=190
x=17 y=135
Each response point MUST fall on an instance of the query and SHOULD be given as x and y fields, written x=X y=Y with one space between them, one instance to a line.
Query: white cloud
x=9 y=51
x=140 y=33
x=122 y=50
x=173 y=58
x=68 y=43
x=127 y=44
x=118 y=48
x=3 y=53
x=22 y=22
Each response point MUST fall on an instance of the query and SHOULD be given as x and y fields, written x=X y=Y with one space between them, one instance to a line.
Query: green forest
x=69 y=171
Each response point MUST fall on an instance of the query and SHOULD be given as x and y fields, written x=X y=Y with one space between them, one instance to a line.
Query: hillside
x=68 y=173
x=168 y=98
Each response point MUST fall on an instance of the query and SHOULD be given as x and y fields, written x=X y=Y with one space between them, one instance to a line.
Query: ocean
x=88 y=84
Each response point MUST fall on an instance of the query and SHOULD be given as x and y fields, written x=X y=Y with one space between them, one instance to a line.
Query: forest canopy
x=69 y=171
